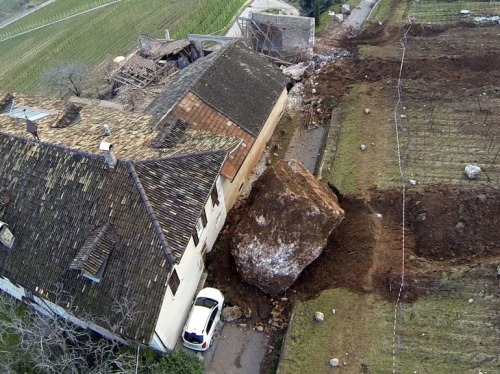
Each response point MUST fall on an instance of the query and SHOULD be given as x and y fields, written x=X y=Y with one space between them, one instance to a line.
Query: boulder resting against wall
x=290 y=217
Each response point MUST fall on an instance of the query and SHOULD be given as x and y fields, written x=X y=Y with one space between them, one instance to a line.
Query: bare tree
x=67 y=78
x=55 y=345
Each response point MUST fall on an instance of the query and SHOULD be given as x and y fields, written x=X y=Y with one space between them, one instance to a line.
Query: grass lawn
x=439 y=333
x=345 y=165
x=359 y=333
x=99 y=35
x=432 y=11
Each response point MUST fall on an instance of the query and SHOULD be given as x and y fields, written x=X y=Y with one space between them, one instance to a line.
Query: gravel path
x=305 y=146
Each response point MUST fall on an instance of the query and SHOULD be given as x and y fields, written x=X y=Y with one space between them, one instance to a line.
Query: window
x=23 y=112
x=212 y=319
x=215 y=197
x=174 y=282
x=201 y=223
x=196 y=240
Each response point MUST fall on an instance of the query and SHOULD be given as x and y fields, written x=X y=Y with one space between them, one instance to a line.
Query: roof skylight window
x=23 y=112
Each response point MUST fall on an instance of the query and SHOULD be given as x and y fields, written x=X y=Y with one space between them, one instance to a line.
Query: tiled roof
x=178 y=192
x=178 y=86
x=131 y=133
x=62 y=203
x=234 y=80
x=204 y=118
x=242 y=85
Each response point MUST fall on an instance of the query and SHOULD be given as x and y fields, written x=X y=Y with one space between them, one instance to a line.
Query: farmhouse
x=101 y=207
x=90 y=221
x=233 y=91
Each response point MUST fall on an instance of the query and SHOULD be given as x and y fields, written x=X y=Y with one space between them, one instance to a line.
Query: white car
x=202 y=320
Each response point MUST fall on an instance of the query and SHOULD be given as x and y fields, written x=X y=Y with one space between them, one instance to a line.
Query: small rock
x=481 y=198
x=471 y=301
x=318 y=316
x=333 y=310
x=334 y=362
x=403 y=116
x=275 y=154
x=362 y=147
x=373 y=143
x=367 y=110
x=472 y=171
x=379 y=215
x=413 y=182
x=231 y=313
x=346 y=9
x=422 y=217
x=459 y=226
x=313 y=90
x=260 y=328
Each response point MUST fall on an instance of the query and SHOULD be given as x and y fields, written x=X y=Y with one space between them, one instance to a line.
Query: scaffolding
x=288 y=38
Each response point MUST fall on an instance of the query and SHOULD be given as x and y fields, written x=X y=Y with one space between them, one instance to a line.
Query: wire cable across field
x=397 y=127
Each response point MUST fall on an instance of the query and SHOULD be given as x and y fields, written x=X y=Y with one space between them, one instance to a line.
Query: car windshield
x=193 y=338
x=206 y=302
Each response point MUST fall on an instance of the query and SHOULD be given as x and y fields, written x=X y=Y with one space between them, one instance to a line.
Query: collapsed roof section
x=153 y=59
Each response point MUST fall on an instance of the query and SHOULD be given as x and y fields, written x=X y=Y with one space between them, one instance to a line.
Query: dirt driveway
x=236 y=351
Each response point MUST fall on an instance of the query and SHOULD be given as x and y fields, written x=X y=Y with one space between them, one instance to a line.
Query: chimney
x=107 y=130
x=6 y=236
x=107 y=150
x=167 y=34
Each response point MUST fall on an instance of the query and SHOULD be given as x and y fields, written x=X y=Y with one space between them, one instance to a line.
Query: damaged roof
x=80 y=127
x=73 y=216
x=178 y=86
x=235 y=80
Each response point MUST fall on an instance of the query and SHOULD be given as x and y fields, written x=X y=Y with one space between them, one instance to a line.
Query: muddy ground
x=452 y=223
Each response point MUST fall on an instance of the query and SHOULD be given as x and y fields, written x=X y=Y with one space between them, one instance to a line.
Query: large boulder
x=290 y=218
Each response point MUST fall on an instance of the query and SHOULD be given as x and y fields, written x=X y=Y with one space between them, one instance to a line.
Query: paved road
x=24 y=13
x=259 y=6
x=236 y=351
x=359 y=14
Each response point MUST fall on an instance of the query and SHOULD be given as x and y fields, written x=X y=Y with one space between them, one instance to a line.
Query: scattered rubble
x=298 y=71
x=362 y=147
x=270 y=246
x=231 y=313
